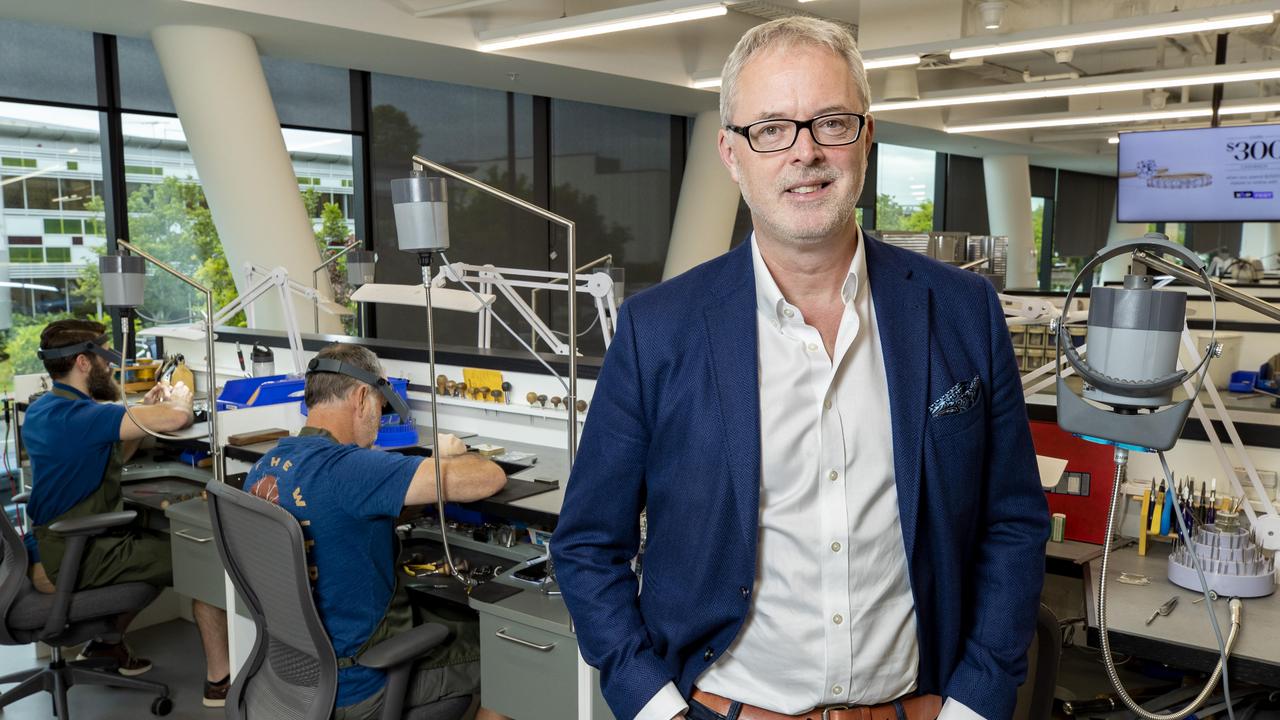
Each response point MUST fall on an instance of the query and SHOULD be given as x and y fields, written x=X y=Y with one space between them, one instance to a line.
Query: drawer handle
x=192 y=538
x=502 y=633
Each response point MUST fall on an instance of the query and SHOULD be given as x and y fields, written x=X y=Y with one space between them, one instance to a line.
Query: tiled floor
x=174 y=649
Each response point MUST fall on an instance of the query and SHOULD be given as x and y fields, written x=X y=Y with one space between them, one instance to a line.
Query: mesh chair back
x=13 y=575
x=292 y=673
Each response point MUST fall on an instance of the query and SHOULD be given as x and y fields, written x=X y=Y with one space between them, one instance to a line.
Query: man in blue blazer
x=829 y=440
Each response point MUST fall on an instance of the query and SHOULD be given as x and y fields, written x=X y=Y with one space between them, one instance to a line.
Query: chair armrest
x=77 y=531
x=404 y=647
x=22 y=498
x=93 y=524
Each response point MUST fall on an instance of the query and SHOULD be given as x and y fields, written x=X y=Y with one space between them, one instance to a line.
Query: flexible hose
x=435 y=427
x=1122 y=461
x=125 y=324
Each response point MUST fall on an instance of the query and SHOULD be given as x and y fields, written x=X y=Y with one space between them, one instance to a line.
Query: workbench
x=1184 y=639
x=542 y=509
x=167 y=498
x=529 y=652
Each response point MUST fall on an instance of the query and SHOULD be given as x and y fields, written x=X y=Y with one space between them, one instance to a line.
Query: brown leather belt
x=916 y=707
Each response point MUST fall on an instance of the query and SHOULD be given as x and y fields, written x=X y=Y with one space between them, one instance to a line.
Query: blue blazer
x=675 y=428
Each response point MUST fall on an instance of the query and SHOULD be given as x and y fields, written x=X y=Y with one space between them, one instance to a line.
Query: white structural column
x=1261 y=240
x=1008 y=181
x=215 y=78
x=703 y=227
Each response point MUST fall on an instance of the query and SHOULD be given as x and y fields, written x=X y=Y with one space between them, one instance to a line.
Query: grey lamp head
x=422 y=213
x=123 y=280
x=360 y=267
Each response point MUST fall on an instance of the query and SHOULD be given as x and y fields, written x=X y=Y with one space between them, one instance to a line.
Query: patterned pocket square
x=962 y=396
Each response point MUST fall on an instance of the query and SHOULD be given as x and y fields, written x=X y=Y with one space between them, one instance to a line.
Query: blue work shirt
x=69 y=442
x=347 y=499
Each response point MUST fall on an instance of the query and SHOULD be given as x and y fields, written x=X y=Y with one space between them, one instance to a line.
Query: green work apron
x=398 y=618
x=122 y=555
x=106 y=498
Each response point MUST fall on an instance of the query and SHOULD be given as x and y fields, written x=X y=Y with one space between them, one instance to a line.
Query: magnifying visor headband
x=97 y=346
x=391 y=401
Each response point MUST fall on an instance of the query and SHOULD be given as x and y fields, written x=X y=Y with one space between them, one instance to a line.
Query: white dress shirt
x=832 y=620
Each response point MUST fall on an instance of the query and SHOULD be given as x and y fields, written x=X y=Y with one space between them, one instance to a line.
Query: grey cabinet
x=197 y=569
x=529 y=659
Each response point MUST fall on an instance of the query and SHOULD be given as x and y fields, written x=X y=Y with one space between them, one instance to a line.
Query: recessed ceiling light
x=665 y=12
x=890 y=61
x=1075 y=119
x=1096 y=85
x=1175 y=23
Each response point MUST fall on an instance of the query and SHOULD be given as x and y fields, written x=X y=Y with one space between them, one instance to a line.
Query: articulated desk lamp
x=1134 y=335
x=123 y=281
x=422 y=227
x=359 y=272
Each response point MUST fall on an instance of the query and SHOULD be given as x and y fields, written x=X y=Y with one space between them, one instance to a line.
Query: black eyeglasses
x=780 y=134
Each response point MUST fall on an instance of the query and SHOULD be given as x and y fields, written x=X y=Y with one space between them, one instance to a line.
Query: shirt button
x=813 y=347
x=745 y=592
x=708 y=654
x=837 y=618
x=788 y=312
x=835 y=547
x=837 y=690
x=833 y=475
x=827 y=404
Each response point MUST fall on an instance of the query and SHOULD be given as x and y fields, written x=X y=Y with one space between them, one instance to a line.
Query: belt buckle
x=826 y=711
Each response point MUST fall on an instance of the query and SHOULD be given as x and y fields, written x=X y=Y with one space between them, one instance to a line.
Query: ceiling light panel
x=634 y=17
x=1051 y=120
x=876 y=63
x=1075 y=120
x=1163 y=25
x=1210 y=75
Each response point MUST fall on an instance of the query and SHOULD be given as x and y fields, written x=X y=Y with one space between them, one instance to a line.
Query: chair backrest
x=292 y=672
x=13 y=575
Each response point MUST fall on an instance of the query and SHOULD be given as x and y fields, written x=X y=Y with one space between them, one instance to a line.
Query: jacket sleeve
x=598 y=533
x=1008 y=565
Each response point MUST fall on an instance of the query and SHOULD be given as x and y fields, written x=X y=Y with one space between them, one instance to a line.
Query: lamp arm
x=219 y=472
x=345 y=249
x=571 y=246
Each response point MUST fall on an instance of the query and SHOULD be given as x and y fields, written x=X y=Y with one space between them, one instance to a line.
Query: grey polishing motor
x=1134 y=334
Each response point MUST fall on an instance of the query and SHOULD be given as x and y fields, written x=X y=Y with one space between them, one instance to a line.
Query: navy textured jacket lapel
x=902 y=314
x=731 y=331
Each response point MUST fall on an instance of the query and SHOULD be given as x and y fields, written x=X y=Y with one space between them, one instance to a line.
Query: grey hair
x=790 y=32
x=323 y=387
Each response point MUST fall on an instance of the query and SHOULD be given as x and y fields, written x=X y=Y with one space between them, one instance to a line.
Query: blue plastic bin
x=393 y=432
x=270 y=389
x=1242 y=381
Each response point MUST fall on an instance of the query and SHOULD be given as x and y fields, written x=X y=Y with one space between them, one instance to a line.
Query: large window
x=484 y=133
x=611 y=174
x=170 y=217
x=51 y=174
x=905 y=188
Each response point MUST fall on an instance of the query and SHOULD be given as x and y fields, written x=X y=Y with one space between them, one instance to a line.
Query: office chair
x=1035 y=697
x=67 y=617
x=292 y=671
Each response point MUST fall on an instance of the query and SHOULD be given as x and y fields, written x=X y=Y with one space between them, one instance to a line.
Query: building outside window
x=905 y=188
x=170 y=217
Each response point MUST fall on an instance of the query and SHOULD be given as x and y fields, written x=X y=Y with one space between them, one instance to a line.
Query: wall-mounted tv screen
x=1224 y=174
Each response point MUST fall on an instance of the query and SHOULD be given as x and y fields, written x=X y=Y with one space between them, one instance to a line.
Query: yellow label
x=476 y=378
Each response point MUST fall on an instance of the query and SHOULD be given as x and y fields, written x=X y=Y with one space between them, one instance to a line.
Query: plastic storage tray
x=257 y=391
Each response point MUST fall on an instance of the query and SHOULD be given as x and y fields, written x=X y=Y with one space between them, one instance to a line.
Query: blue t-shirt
x=69 y=442
x=347 y=499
